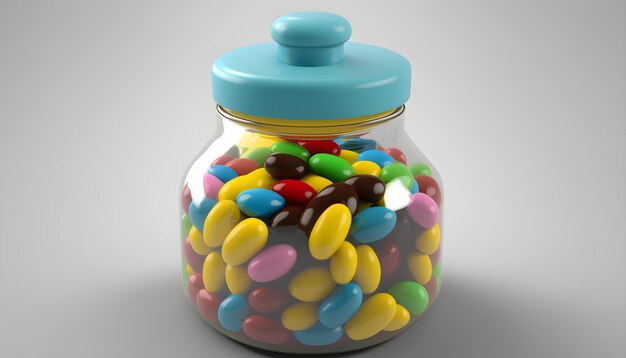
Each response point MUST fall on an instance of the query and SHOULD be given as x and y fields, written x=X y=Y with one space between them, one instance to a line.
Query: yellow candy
x=428 y=241
x=366 y=167
x=244 y=241
x=197 y=242
x=421 y=268
x=189 y=270
x=259 y=178
x=330 y=231
x=316 y=182
x=299 y=316
x=343 y=263
x=220 y=221
x=400 y=319
x=312 y=284
x=367 y=273
x=237 y=279
x=213 y=272
x=372 y=317
x=253 y=140
x=349 y=156
x=362 y=205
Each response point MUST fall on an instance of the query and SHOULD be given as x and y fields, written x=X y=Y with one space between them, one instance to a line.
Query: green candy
x=437 y=273
x=331 y=167
x=411 y=295
x=291 y=148
x=259 y=155
x=185 y=226
x=420 y=169
x=397 y=171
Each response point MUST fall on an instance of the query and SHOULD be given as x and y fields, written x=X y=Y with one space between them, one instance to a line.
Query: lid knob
x=310 y=38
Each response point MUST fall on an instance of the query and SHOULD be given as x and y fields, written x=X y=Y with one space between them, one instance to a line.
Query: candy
x=368 y=187
x=372 y=224
x=311 y=285
x=194 y=285
x=319 y=335
x=244 y=241
x=429 y=186
x=320 y=146
x=258 y=155
x=399 y=320
x=259 y=202
x=316 y=182
x=367 y=274
x=339 y=193
x=299 y=316
x=372 y=317
x=185 y=225
x=396 y=154
x=357 y=144
x=267 y=299
x=211 y=185
x=265 y=330
x=237 y=279
x=420 y=169
x=376 y=156
x=195 y=260
x=197 y=213
x=197 y=242
x=428 y=241
x=185 y=198
x=349 y=156
x=366 y=167
x=420 y=267
x=437 y=273
x=331 y=167
x=389 y=257
x=208 y=305
x=223 y=173
x=292 y=149
x=257 y=179
x=222 y=160
x=221 y=220
x=272 y=263
x=414 y=187
x=285 y=166
x=330 y=231
x=232 y=312
x=423 y=210
x=242 y=166
x=294 y=191
x=343 y=263
x=213 y=272
x=411 y=295
x=340 y=306
x=289 y=215
x=397 y=171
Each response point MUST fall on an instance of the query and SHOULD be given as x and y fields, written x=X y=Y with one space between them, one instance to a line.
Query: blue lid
x=311 y=72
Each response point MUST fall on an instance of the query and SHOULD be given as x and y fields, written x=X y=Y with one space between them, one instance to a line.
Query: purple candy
x=272 y=263
x=423 y=210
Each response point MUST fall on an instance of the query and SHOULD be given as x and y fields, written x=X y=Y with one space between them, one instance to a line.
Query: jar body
x=311 y=240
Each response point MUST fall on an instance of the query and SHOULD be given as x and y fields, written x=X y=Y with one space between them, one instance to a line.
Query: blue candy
x=319 y=335
x=340 y=306
x=198 y=214
x=372 y=224
x=356 y=144
x=232 y=312
x=222 y=173
x=414 y=187
x=376 y=156
x=259 y=202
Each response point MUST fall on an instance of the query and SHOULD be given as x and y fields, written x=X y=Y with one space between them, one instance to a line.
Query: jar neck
x=316 y=128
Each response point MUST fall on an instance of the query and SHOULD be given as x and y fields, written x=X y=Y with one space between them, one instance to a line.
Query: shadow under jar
x=311 y=223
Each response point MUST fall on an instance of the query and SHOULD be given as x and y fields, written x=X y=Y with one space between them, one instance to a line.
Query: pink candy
x=193 y=259
x=212 y=186
x=242 y=166
x=272 y=263
x=423 y=210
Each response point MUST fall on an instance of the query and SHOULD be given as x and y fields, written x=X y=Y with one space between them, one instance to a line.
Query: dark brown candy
x=338 y=193
x=429 y=186
x=368 y=187
x=285 y=166
x=289 y=215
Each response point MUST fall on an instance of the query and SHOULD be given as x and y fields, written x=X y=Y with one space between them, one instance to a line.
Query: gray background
x=520 y=104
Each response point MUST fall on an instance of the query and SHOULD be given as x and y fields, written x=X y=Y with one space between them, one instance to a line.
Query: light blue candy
x=356 y=144
x=340 y=306
x=414 y=188
x=376 y=156
x=198 y=214
x=222 y=173
x=372 y=224
x=232 y=312
x=259 y=202
x=319 y=335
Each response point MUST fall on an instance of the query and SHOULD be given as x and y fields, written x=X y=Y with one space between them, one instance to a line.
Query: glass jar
x=304 y=230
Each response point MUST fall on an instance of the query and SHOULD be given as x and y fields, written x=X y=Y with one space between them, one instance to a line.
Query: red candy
x=242 y=166
x=222 y=160
x=207 y=304
x=429 y=186
x=320 y=146
x=435 y=256
x=194 y=285
x=267 y=299
x=396 y=154
x=186 y=198
x=265 y=330
x=194 y=260
x=389 y=257
x=294 y=191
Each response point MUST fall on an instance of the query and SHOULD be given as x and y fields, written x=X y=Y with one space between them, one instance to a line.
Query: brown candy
x=338 y=193
x=285 y=166
x=289 y=215
x=368 y=187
